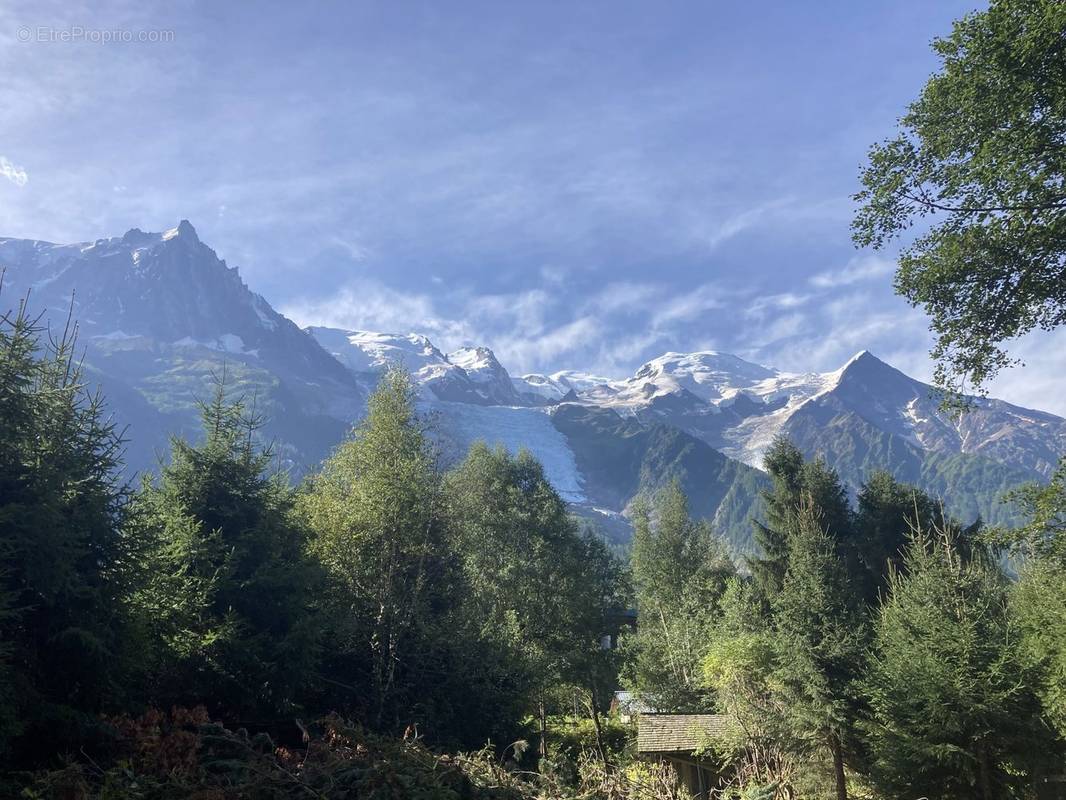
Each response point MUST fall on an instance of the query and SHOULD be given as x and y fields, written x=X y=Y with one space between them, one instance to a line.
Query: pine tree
x=796 y=481
x=820 y=638
x=953 y=710
x=65 y=630
x=888 y=512
x=230 y=592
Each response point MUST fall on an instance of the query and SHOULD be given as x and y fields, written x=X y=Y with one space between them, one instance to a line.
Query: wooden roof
x=679 y=733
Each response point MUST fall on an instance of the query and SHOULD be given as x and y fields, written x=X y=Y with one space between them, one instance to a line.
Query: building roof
x=628 y=703
x=679 y=733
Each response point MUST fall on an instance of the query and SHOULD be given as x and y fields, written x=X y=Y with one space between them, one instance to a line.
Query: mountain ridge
x=161 y=314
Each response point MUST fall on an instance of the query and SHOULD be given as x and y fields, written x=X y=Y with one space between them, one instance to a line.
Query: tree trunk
x=542 y=714
x=596 y=723
x=838 y=766
x=986 y=773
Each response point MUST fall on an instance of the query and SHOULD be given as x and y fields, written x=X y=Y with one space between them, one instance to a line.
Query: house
x=680 y=739
x=628 y=707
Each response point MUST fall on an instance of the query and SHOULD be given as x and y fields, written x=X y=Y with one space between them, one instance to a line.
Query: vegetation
x=681 y=570
x=884 y=647
x=979 y=161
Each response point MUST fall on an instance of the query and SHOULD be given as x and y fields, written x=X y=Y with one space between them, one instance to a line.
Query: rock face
x=160 y=315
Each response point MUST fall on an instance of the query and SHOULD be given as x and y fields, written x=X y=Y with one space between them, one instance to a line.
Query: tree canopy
x=979 y=165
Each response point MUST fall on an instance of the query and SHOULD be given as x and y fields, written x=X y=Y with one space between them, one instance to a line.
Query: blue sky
x=576 y=185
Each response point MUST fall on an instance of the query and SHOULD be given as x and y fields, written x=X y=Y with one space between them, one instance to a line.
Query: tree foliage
x=374 y=513
x=66 y=635
x=980 y=159
x=680 y=571
x=796 y=482
x=954 y=714
x=230 y=593
x=819 y=622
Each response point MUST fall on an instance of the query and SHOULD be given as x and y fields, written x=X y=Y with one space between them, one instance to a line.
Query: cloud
x=623 y=296
x=715 y=233
x=370 y=305
x=765 y=304
x=17 y=175
x=858 y=270
x=686 y=306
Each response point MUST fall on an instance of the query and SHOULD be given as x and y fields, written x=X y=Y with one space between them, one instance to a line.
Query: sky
x=580 y=185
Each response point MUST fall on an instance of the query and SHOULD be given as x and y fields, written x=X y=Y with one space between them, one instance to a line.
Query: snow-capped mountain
x=559 y=387
x=739 y=407
x=468 y=375
x=487 y=376
x=167 y=286
x=160 y=314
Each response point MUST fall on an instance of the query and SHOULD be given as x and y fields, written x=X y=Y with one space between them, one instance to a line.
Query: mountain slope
x=862 y=417
x=159 y=314
x=621 y=457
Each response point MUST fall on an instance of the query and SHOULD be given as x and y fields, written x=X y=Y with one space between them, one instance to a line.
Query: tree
x=536 y=584
x=230 y=592
x=1038 y=599
x=1038 y=608
x=680 y=571
x=953 y=711
x=65 y=579
x=820 y=626
x=796 y=481
x=888 y=513
x=740 y=668
x=374 y=514
x=981 y=155
x=1043 y=537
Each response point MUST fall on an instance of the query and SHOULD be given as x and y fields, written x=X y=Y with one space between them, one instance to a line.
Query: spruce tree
x=820 y=636
x=796 y=481
x=888 y=513
x=954 y=713
x=230 y=595
x=66 y=635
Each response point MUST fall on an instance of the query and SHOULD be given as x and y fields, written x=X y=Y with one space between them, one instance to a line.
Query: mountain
x=864 y=416
x=161 y=313
x=158 y=314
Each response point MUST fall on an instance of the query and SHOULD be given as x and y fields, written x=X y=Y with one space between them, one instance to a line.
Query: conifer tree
x=796 y=481
x=230 y=594
x=954 y=714
x=65 y=630
x=888 y=513
x=820 y=638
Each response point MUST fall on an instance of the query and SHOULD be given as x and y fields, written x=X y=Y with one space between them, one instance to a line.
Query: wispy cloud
x=858 y=270
x=17 y=175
